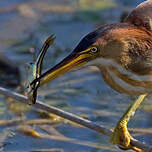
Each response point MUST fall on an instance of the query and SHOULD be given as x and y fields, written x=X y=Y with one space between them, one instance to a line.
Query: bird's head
x=87 y=50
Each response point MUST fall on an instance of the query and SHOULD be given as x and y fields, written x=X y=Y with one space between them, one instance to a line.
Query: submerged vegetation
x=96 y=4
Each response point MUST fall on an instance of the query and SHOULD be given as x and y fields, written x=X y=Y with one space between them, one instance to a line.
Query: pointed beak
x=73 y=61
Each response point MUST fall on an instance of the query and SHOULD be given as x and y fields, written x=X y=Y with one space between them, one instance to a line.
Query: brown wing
x=141 y=16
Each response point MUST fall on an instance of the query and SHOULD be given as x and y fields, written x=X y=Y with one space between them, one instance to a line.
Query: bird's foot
x=121 y=136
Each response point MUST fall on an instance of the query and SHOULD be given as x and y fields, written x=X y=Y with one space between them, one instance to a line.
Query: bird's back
x=141 y=16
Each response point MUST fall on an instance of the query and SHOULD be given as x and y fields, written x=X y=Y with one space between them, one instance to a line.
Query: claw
x=121 y=136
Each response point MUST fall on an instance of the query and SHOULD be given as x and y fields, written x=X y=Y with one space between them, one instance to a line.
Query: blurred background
x=25 y=24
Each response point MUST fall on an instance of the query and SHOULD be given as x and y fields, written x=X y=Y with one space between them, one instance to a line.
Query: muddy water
x=26 y=24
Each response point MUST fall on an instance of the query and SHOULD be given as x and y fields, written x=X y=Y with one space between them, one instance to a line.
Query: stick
x=71 y=117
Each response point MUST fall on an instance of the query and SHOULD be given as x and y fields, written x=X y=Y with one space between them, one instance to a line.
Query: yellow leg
x=121 y=135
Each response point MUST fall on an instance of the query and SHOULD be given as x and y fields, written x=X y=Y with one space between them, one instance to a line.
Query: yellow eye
x=94 y=49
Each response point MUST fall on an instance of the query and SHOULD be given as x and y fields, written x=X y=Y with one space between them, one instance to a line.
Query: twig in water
x=71 y=117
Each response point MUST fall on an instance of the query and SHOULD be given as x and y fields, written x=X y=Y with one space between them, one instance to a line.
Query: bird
x=123 y=54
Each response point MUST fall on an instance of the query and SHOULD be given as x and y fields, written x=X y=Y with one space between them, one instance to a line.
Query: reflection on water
x=82 y=92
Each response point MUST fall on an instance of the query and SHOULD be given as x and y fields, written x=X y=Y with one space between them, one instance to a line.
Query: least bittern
x=123 y=54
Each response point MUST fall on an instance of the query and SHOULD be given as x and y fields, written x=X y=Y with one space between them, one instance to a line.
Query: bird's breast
x=123 y=80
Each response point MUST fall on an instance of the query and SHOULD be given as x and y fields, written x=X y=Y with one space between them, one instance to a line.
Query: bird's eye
x=94 y=49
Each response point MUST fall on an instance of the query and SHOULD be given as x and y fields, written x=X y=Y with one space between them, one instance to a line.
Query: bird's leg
x=121 y=136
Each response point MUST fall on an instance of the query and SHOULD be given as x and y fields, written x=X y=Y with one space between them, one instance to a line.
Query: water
x=82 y=92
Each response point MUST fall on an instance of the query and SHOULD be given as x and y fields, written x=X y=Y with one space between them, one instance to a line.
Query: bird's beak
x=73 y=61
